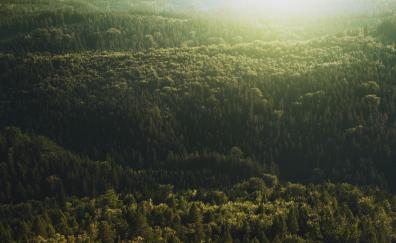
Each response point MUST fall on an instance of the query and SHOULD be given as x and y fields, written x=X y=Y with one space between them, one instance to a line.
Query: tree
x=368 y=234
x=5 y=233
x=195 y=217
x=23 y=231
x=292 y=221
x=140 y=227
x=262 y=237
x=279 y=226
x=39 y=226
x=277 y=239
x=387 y=31
x=106 y=233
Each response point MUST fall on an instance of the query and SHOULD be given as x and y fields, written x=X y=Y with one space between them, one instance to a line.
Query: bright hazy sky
x=294 y=7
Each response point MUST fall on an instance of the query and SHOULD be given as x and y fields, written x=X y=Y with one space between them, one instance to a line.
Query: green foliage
x=151 y=121
x=239 y=218
x=250 y=210
x=387 y=31
x=160 y=111
x=106 y=234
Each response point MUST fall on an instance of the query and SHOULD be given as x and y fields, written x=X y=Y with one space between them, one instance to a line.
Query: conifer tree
x=106 y=233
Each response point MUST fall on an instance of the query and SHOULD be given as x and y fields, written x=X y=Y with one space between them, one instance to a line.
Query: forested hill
x=258 y=209
x=318 y=110
x=172 y=121
x=69 y=26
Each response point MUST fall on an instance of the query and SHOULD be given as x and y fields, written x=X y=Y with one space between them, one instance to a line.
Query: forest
x=197 y=121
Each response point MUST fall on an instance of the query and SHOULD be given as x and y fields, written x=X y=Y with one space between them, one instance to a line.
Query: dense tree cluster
x=65 y=26
x=258 y=209
x=33 y=167
x=136 y=121
x=318 y=110
x=386 y=31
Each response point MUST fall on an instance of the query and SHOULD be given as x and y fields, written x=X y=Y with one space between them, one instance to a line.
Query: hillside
x=190 y=121
x=257 y=209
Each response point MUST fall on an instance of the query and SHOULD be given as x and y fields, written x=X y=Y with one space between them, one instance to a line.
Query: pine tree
x=5 y=233
x=279 y=226
x=277 y=239
x=195 y=217
x=23 y=230
x=195 y=214
x=227 y=238
x=262 y=237
x=39 y=227
x=140 y=226
x=106 y=233
x=199 y=232
x=246 y=231
x=292 y=221
x=368 y=232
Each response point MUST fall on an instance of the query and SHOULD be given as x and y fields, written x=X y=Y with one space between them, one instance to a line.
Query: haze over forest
x=198 y=121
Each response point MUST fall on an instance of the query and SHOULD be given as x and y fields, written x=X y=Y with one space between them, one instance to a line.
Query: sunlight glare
x=276 y=6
